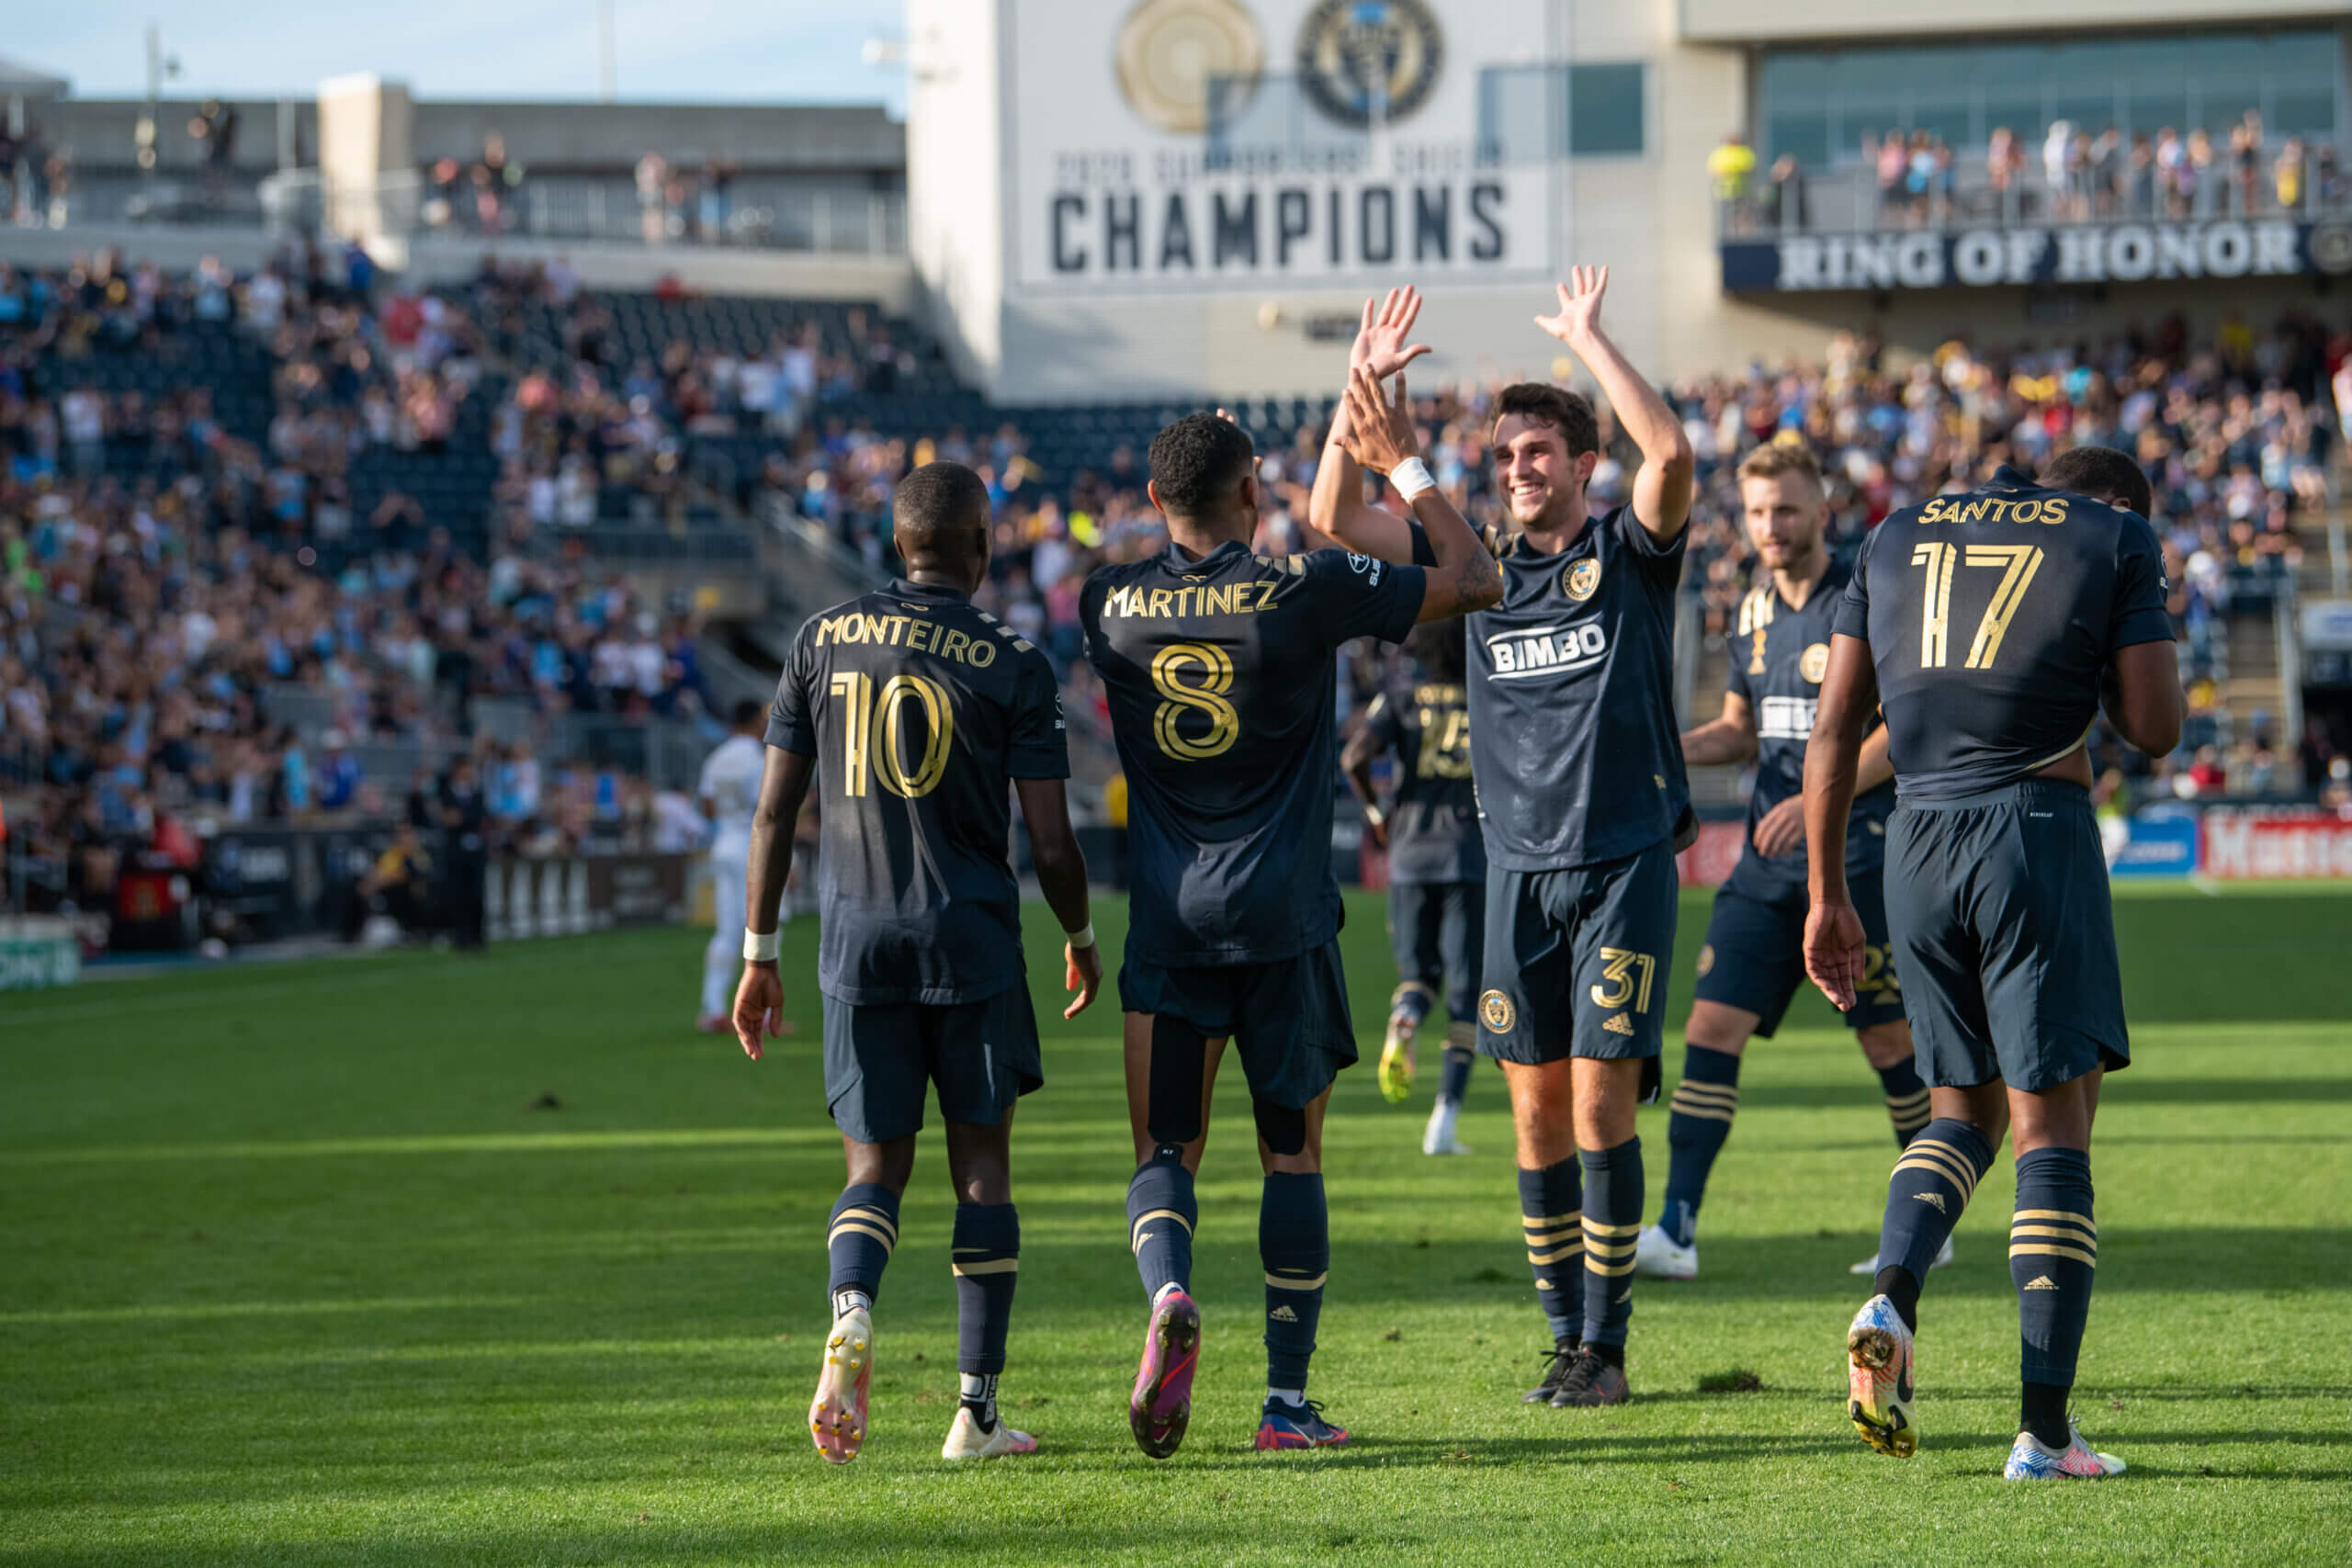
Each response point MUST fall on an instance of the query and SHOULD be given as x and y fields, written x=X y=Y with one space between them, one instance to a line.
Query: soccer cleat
x=1558 y=1362
x=1870 y=1265
x=1438 y=1137
x=1878 y=1383
x=1286 y=1426
x=1162 y=1401
x=1657 y=1255
x=966 y=1441
x=2029 y=1460
x=1397 y=1060
x=712 y=1024
x=837 y=1415
x=1590 y=1383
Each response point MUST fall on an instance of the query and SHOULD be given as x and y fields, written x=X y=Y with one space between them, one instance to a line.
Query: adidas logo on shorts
x=2042 y=1282
x=1282 y=1314
x=1619 y=1024
x=1935 y=1198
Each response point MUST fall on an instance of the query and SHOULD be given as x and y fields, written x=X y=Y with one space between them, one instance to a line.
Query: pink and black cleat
x=1162 y=1402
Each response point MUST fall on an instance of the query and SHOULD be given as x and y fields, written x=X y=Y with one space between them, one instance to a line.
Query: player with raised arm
x=1753 y=961
x=1436 y=864
x=914 y=711
x=1578 y=766
x=1989 y=627
x=1219 y=668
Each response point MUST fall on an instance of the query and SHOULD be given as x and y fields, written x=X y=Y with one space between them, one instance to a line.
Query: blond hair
x=1785 y=453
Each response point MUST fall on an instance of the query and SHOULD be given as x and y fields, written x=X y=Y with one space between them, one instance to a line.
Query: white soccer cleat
x=2029 y=1460
x=1657 y=1255
x=1879 y=1389
x=1438 y=1137
x=1870 y=1265
x=837 y=1415
x=965 y=1440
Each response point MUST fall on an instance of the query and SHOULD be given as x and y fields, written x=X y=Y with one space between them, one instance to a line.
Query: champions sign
x=1189 y=146
x=2117 y=252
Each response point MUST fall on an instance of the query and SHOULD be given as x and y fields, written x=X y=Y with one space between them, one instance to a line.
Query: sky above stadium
x=725 y=51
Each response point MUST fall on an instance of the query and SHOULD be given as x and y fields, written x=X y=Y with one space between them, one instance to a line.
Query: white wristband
x=760 y=947
x=1374 y=815
x=1083 y=937
x=1411 y=479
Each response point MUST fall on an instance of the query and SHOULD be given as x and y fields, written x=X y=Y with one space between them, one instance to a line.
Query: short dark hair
x=2101 y=473
x=1196 y=461
x=1568 y=413
x=1440 y=647
x=939 y=498
x=745 y=710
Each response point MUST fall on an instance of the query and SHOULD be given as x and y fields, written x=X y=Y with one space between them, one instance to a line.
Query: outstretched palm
x=1380 y=346
x=1579 y=311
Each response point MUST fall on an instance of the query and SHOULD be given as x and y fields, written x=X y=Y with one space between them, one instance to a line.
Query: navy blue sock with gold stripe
x=1697 y=1125
x=987 y=1264
x=859 y=1238
x=2053 y=1254
x=1461 y=1050
x=1907 y=1100
x=1933 y=1179
x=1294 y=1244
x=1613 y=1220
x=1551 y=1212
x=1161 y=1213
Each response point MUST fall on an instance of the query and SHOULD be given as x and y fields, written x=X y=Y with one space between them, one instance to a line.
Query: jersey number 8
x=1206 y=697
x=872 y=747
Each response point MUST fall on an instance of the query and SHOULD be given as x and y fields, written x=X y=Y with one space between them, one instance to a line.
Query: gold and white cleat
x=965 y=1440
x=837 y=1415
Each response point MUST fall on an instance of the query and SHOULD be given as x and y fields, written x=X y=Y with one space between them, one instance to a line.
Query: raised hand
x=1380 y=345
x=1579 y=313
x=1379 y=433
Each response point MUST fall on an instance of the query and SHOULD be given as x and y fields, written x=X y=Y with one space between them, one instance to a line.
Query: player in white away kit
x=730 y=791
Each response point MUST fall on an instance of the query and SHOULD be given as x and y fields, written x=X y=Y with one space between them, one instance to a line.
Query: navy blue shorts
x=1288 y=1020
x=2004 y=932
x=1754 y=956
x=1577 y=961
x=880 y=1061
x=1438 y=930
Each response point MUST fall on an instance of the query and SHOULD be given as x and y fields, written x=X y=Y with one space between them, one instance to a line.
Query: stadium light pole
x=606 y=66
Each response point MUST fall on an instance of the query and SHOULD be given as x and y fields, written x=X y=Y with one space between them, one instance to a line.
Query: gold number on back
x=868 y=749
x=1205 y=697
x=2021 y=562
x=1445 y=744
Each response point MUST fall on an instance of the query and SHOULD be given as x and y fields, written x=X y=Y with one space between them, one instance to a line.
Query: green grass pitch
x=429 y=1259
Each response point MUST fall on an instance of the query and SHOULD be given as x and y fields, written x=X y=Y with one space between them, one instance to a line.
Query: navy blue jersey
x=1221 y=675
x=1990 y=617
x=1573 y=739
x=1434 y=832
x=918 y=708
x=1777 y=658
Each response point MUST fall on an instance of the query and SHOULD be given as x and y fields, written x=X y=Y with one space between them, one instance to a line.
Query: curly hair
x=1196 y=461
x=1442 y=648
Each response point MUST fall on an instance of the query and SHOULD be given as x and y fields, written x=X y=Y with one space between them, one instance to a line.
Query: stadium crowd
x=172 y=562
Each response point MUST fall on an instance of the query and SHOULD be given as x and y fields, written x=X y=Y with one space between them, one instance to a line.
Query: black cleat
x=1558 y=1361
x=1590 y=1382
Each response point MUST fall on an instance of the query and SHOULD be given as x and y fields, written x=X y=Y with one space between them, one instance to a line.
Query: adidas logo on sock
x=2042 y=1282
x=1623 y=1296
x=1619 y=1024
x=1282 y=1314
x=1542 y=1284
x=1935 y=1198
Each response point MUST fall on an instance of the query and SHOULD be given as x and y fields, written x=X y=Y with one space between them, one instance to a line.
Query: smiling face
x=1543 y=485
x=1785 y=514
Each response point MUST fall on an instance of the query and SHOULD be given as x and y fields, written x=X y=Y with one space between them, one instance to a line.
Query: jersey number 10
x=871 y=733
x=1940 y=559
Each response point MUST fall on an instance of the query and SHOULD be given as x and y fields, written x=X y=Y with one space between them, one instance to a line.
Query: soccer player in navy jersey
x=1578 y=760
x=1990 y=627
x=917 y=715
x=1219 y=668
